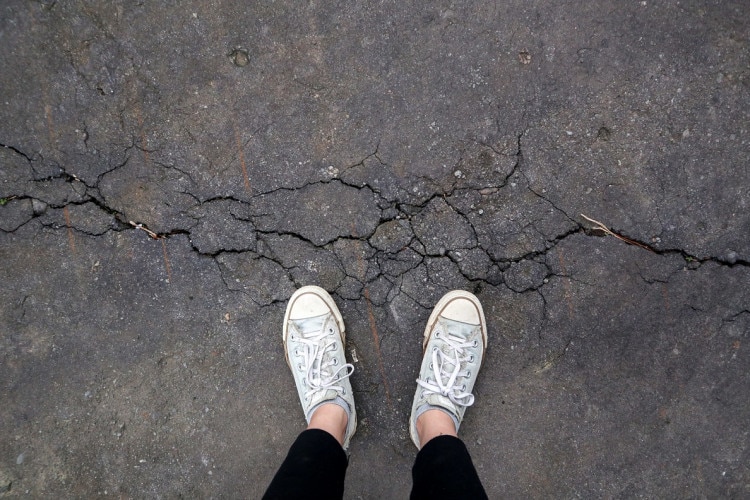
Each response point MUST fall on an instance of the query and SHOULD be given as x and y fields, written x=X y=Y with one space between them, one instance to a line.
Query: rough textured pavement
x=169 y=174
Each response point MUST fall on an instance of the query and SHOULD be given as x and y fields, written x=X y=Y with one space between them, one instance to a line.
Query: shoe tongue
x=310 y=325
x=458 y=328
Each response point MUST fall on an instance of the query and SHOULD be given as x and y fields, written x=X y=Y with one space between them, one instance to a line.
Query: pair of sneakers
x=454 y=342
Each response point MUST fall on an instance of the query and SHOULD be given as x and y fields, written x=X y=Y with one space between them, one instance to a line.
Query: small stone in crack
x=731 y=257
x=38 y=206
x=239 y=57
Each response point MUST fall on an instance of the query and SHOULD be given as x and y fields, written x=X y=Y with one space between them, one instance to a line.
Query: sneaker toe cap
x=463 y=310
x=308 y=305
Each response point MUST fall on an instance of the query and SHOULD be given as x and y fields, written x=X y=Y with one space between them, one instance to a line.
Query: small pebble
x=239 y=57
x=38 y=206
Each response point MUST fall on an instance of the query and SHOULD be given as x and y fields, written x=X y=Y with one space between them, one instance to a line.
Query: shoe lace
x=321 y=375
x=446 y=369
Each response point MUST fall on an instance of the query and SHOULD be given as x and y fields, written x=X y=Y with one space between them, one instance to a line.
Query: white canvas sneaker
x=314 y=345
x=454 y=342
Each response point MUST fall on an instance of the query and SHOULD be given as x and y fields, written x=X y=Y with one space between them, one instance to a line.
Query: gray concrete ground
x=387 y=151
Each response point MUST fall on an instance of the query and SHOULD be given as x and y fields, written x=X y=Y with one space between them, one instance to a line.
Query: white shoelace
x=446 y=370
x=319 y=376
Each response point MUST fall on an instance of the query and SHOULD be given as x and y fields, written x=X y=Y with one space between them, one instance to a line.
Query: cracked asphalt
x=171 y=172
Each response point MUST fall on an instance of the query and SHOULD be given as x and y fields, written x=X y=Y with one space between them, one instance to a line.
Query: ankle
x=331 y=418
x=434 y=423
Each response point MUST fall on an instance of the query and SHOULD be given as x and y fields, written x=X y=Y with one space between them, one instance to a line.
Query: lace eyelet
x=299 y=367
x=431 y=367
x=463 y=388
x=471 y=358
x=335 y=361
x=476 y=343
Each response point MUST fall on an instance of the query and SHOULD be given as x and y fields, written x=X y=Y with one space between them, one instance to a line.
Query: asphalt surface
x=170 y=172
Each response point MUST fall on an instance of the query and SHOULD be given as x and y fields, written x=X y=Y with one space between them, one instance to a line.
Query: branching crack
x=17 y=151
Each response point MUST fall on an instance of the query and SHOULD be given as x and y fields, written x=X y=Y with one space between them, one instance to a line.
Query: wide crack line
x=94 y=196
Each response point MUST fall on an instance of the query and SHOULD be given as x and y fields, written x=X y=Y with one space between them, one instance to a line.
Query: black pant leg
x=443 y=470
x=314 y=468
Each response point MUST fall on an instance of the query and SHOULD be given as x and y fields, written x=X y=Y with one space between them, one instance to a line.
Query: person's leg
x=454 y=344
x=315 y=467
x=314 y=344
x=443 y=467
